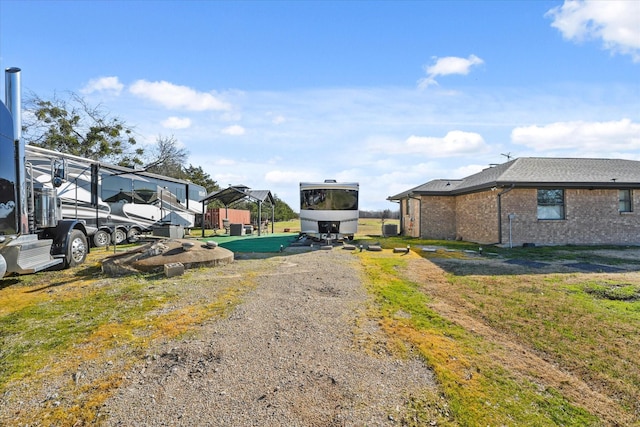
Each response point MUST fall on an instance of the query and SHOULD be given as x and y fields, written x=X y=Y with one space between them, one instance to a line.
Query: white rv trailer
x=117 y=201
x=329 y=209
x=152 y=199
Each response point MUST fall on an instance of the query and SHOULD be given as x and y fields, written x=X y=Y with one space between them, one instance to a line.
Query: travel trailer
x=329 y=209
x=117 y=202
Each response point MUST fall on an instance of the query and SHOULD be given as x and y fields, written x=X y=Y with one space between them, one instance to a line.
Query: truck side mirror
x=58 y=172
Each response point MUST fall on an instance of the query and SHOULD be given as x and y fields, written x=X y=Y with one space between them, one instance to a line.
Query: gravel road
x=298 y=351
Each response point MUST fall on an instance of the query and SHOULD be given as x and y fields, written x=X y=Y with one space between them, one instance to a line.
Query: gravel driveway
x=298 y=351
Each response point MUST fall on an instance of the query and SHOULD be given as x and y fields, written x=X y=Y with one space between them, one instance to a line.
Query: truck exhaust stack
x=14 y=104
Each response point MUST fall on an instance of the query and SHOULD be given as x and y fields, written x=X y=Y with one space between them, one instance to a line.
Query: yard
x=527 y=336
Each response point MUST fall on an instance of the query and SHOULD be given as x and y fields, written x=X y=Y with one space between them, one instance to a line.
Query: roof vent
x=330 y=180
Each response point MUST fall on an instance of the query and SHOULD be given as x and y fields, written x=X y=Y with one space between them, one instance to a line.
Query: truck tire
x=101 y=239
x=76 y=249
x=120 y=235
x=3 y=266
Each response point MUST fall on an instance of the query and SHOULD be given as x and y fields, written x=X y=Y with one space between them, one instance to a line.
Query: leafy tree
x=200 y=177
x=75 y=127
x=282 y=211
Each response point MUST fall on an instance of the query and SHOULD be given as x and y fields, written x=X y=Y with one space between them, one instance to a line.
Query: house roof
x=538 y=172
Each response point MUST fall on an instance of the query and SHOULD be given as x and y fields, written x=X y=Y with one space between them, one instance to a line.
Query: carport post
x=203 y=213
x=259 y=217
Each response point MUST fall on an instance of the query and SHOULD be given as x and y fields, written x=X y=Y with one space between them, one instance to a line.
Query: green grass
x=536 y=253
x=478 y=390
x=31 y=334
x=613 y=290
x=586 y=323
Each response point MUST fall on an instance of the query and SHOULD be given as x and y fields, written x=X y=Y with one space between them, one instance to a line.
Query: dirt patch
x=596 y=260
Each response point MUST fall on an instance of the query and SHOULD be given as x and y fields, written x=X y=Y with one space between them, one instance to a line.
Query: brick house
x=544 y=201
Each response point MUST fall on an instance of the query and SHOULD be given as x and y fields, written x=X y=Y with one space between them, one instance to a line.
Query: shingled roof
x=538 y=172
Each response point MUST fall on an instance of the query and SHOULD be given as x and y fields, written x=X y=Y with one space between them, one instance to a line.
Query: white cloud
x=622 y=135
x=231 y=116
x=464 y=171
x=287 y=177
x=225 y=180
x=103 y=84
x=177 y=97
x=277 y=120
x=177 y=123
x=454 y=143
x=613 y=22
x=447 y=66
x=225 y=162
x=234 y=130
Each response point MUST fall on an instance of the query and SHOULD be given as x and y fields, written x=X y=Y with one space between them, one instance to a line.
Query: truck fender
x=61 y=234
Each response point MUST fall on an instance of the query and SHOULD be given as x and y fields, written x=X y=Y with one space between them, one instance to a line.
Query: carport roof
x=235 y=193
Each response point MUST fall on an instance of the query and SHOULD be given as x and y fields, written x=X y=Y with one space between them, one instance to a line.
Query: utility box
x=236 y=229
x=390 y=230
x=168 y=230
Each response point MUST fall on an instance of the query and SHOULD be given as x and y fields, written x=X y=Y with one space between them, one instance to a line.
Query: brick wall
x=438 y=217
x=591 y=217
x=477 y=217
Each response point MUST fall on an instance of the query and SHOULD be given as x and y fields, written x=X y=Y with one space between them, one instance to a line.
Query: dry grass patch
x=515 y=349
x=71 y=335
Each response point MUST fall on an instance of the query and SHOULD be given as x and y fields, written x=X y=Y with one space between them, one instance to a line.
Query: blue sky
x=388 y=94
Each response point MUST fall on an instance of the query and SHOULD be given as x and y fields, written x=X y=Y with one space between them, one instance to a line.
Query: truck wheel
x=120 y=235
x=133 y=234
x=76 y=249
x=101 y=239
x=3 y=266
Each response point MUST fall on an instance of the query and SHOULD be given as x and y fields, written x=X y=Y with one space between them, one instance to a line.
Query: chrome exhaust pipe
x=14 y=105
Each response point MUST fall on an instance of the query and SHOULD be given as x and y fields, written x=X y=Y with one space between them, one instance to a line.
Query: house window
x=551 y=204
x=624 y=201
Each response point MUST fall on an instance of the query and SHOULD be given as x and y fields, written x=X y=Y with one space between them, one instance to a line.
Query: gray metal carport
x=235 y=193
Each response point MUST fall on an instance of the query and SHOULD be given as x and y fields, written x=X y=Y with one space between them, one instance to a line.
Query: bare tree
x=168 y=158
